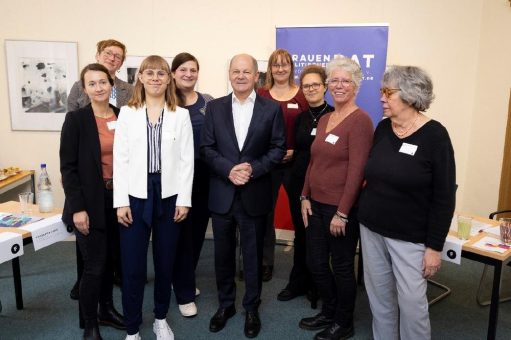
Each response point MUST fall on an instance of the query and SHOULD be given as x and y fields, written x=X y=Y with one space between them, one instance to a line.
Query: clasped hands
x=240 y=174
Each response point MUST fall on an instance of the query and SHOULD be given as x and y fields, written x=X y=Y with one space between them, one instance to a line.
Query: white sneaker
x=188 y=310
x=197 y=292
x=162 y=330
x=133 y=337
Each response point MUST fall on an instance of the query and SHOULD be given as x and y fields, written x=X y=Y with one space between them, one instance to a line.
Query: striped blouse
x=154 y=145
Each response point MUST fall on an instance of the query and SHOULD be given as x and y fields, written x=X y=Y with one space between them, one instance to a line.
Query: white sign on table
x=48 y=231
x=452 y=249
x=11 y=246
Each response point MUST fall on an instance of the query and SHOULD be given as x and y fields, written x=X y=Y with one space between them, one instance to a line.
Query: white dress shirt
x=242 y=115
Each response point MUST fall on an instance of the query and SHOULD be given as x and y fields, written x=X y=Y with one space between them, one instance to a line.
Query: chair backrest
x=495 y=214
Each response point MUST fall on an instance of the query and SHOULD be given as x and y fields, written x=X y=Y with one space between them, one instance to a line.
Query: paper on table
x=11 y=246
x=491 y=244
x=452 y=249
x=48 y=231
x=495 y=231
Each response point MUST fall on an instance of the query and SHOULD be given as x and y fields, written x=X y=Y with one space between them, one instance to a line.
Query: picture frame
x=129 y=69
x=40 y=75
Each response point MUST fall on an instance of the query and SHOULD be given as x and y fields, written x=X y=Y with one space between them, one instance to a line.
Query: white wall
x=464 y=44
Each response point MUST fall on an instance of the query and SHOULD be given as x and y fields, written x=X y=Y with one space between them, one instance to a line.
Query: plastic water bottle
x=44 y=189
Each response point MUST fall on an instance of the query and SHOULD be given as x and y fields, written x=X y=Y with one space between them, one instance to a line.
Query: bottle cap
x=43 y=165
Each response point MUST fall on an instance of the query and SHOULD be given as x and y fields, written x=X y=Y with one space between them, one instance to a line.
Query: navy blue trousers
x=157 y=215
x=252 y=229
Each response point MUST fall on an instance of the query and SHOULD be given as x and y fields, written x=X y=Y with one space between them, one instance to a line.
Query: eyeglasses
x=387 y=92
x=309 y=87
x=344 y=82
x=277 y=66
x=160 y=74
x=110 y=54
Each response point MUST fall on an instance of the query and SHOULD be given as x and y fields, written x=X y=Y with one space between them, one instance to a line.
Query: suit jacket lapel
x=229 y=120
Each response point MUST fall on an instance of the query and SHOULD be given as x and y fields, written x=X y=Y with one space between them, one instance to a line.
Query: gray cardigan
x=78 y=98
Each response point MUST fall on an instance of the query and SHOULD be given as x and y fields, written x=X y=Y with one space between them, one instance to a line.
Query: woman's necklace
x=107 y=114
x=315 y=117
x=403 y=132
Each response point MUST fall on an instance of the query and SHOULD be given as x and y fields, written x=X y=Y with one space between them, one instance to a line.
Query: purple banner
x=367 y=45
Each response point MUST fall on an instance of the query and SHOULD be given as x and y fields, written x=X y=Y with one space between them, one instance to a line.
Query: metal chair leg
x=446 y=292
x=479 y=297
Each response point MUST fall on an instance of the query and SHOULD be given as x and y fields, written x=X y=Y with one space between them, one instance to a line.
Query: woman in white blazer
x=153 y=174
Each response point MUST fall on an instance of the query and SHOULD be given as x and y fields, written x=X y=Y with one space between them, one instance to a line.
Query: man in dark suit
x=243 y=138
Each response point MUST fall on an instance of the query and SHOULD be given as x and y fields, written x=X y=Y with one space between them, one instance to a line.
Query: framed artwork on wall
x=40 y=74
x=129 y=69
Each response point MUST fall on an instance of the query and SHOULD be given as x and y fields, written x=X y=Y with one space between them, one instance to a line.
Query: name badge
x=292 y=105
x=111 y=125
x=332 y=139
x=313 y=132
x=409 y=149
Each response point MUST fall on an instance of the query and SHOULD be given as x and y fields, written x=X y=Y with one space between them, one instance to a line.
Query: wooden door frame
x=505 y=175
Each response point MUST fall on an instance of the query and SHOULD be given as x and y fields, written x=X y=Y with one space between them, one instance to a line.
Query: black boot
x=91 y=331
x=108 y=316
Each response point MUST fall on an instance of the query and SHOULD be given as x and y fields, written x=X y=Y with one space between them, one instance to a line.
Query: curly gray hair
x=415 y=85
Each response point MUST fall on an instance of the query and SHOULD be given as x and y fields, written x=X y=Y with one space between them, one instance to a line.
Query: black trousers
x=96 y=284
x=300 y=279
x=192 y=236
x=252 y=230
x=279 y=175
x=331 y=261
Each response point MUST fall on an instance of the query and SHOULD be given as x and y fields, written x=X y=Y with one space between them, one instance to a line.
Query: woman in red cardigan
x=332 y=184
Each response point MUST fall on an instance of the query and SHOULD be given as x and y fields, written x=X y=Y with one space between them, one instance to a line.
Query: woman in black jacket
x=86 y=149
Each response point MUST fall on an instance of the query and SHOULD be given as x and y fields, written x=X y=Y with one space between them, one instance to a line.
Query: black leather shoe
x=252 y=324
x=335 y=332
x=74 y=294
x=108 y=316
x=91 y=331
x=267 y=273
x=287 y=294
x=316 y=322
x=220 y=318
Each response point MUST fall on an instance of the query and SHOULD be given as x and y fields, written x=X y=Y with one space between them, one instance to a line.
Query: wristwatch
x=302 y=198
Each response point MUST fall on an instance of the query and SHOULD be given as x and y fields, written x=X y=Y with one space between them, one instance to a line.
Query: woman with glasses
x=313 y=85
x=406 y=206
x=281 y=88
x=111 y=54
x=153 y=174
x=185 y=72
x=332 y=184
x=86 y=151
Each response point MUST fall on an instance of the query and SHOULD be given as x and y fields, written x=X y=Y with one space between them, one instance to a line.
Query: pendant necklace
x=315 y=117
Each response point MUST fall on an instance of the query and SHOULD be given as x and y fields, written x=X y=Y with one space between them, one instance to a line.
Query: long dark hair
x=179 y=60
